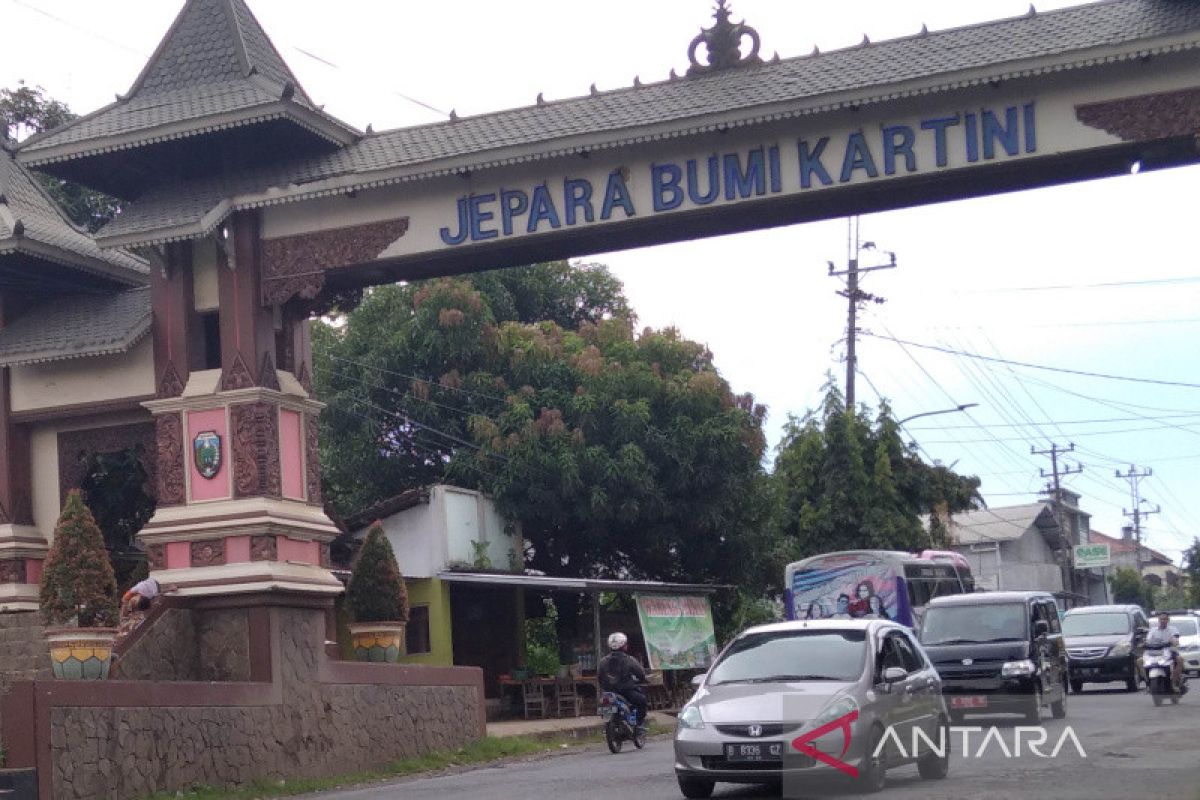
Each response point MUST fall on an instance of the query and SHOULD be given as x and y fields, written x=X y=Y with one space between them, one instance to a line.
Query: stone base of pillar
x=22 y=551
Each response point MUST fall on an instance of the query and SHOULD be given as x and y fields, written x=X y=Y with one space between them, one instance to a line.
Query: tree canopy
x=619 y=453
x=843 y=481
x=27 y=110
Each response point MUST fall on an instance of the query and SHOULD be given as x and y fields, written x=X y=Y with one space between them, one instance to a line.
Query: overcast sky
x=982 y=276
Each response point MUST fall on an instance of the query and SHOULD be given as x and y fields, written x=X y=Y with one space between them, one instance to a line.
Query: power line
x=1065 y=370
x=1105 y=285
x=855 y=297
x=1057 y=422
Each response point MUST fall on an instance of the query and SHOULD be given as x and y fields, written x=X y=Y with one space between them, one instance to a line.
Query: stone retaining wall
x=301 y=716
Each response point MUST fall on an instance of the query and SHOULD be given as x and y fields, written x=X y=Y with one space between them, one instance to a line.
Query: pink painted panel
x=291 y=447
x=33 y=570
x=179 y=555
x=217 y=487
x=293 y=550
x=237 y=549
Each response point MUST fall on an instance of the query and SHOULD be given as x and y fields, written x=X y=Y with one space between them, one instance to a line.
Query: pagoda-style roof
x=77 y=326
x=215 y=94
x=43 y=251
x=928 y=63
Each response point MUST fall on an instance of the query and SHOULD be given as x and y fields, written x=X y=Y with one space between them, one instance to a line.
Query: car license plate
x=969 y=701
x=758 y=751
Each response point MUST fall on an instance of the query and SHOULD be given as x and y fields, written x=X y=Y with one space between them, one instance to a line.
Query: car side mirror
x=894 y=675
x=697 y=680
x=1041 y=628
x=1140 y=633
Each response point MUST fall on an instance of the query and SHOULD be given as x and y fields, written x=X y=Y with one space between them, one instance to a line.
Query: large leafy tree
x=619 y=453
x=843 y=481
x=27 y=110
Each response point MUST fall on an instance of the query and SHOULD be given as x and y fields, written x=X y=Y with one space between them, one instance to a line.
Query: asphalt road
x=1132 y=750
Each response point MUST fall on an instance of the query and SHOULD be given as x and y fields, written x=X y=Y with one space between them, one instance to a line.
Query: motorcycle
x=1157 y=662
x=619 y=723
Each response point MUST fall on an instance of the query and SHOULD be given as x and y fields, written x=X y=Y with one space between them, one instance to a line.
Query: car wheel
x=932 y=766
x=1077 y=687
x=696 y=787
x=1131 y=683
x=873 y=774
x=1033 y=713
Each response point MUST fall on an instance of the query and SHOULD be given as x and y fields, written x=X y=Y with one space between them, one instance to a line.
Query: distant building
x=1025 y=548
x=1158 y=570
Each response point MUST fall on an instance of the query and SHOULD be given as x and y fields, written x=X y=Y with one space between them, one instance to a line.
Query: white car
x=1188 y=626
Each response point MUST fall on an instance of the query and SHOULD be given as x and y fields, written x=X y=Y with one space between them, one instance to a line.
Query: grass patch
x=493 y=748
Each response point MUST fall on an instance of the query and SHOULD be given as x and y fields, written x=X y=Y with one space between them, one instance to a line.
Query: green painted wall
x=434 y=593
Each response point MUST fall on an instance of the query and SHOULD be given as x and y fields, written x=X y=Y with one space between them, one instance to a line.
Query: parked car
x=775 y=683
x=1188 y=626
x=1103 y=644
x=1000 y=652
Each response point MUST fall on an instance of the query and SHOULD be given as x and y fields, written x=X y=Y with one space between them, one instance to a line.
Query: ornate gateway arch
x=251 y=206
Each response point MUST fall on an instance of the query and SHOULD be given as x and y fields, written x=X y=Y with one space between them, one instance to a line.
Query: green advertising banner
x=678 y=631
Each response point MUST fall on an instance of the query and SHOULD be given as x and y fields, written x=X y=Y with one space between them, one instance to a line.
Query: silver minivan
x=808 y=701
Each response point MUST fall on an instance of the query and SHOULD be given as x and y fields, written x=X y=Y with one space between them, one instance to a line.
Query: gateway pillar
x=239 y=502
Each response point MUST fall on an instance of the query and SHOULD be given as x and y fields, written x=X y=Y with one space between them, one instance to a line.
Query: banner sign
x=678 y=631
x=1089 y=556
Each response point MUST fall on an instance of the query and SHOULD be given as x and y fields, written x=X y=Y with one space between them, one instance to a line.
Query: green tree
x=1191 y=573
x=1128 y=587
x=377 y=592
x=116 y=491
x=618 y=453
x=78 y=586
x=825 y=497
x=27 y=110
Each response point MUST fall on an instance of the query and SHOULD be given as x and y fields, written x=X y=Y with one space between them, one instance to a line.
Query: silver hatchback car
x=808 y=701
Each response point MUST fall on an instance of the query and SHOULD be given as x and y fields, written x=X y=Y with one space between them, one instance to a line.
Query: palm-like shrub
x=78 y=586
x=376 y=592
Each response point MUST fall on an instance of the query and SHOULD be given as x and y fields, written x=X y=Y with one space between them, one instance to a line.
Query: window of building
x=210 y=326
x=416 y=633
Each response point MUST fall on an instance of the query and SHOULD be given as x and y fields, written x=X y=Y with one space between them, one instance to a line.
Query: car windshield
x=1099 y=624
x=971 y=624
x=1185 y=625
x=834 y=655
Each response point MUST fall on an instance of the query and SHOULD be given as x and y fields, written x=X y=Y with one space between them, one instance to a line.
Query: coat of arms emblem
x=206 y=451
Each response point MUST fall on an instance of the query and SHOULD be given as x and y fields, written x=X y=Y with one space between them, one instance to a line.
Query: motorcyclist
x=620 y=672
x=1167 y=635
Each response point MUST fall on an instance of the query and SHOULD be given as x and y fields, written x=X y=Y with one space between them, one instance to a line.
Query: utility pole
x=1134 y=477
x=855 y=297
x=1057 y=473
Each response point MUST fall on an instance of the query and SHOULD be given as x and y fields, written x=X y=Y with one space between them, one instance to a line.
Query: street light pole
x=963 y=407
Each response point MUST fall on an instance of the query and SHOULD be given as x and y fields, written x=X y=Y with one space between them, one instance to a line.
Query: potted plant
x=79 y=596
x=378 y=600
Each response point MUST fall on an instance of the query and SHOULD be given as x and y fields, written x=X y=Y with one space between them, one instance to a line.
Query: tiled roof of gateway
x=32 y=223
x=77 y=326
x=215 y=61
x=868 y=73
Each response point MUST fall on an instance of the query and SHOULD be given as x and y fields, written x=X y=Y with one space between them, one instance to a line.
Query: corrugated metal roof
x=869 y=73
x=77 y=326
x=28 y=214
x=998 y=524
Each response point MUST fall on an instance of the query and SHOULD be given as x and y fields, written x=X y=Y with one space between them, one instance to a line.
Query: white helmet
x=617 y=640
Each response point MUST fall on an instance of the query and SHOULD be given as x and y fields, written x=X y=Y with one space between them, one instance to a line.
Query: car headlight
x=838 y=708
x=1120 y=649
x=1018 y=669
x=691 y=718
